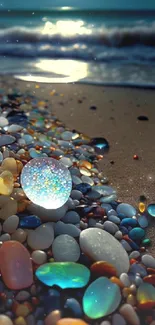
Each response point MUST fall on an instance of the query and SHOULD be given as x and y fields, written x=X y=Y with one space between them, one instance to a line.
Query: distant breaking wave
x=110 y=37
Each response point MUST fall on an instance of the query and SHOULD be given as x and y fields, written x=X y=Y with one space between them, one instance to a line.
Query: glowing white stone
x=46 y=182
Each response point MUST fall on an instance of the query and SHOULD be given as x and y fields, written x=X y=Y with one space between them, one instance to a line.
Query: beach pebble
x=53 y=317
x=68 y=229
x=39 y=257
x=118 y=235
x=42 y=237
x=66 y=161
x=65 y=249
x=134 y=255
x=76 y=180
x=105 y=322
x=66 y=135
x=19 y=235
x=104 y=190
x=5 y=320
x=47 y=214
x=117 y=319
x=129 y=314
x=93 y=195
x=71 y=217
x=3 y=121
x=110 y=227
x=148 y=261
x=71 y=321
x=114 y=219
x=10 y=225
x=13 y=128
x=126 y=246
x=88 y=180
x=101 y=246
x=5 y=237
x=125 y=279
x=8 y=207
x=76 y=195
x=126 y=209
x=6 y=140
x=22 y=295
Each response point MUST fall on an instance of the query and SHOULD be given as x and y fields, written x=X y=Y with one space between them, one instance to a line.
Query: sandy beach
x=115 y=118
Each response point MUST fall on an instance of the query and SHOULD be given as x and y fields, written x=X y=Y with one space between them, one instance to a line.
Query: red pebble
x=150 y=279
x=132 y=261
x=135 y=157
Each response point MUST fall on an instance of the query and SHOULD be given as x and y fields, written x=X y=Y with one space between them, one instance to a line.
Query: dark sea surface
x=100 y=47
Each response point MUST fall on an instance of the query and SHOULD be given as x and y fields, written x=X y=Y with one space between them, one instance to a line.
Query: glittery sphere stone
x=46 y=182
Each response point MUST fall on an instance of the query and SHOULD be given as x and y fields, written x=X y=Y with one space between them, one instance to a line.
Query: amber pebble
x=117 y=281
x=103 y=268
x=131 y=300
x=20 y=321
x=53 y=318
x=85 y=163
x=142 y=207
x=126 y=292
x=71 y=321
x=6 y=183
x=150 y=279
x=19 y=166
x=22 y=310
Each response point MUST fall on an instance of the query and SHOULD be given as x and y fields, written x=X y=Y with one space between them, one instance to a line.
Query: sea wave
x=110 y=37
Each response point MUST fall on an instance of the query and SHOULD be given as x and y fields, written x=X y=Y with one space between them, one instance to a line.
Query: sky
x=100 y=4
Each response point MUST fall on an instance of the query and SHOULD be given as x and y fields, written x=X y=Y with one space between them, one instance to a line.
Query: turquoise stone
x=101 y=298
x=137 y=234
x=63 y=274
x=126 y=209
x=151 y=210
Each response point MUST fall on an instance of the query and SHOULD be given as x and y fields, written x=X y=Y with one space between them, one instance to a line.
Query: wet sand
x=114 y=118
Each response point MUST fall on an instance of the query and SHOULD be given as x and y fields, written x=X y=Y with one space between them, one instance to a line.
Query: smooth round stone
x=5 y=320
x=93 y=195
x=29 y=222
x=47 y=214
x=66 y=161
x=105 y=322
x=5 y=237
x=129 y=222
x=71 y=217
x=110 y=227
x=117 y=319
x=135 y=255
x=22 y=295
x=74 y=306
x=10 y=164
x=146 y=296
x=65 y=249
x=103 y=268
x=148 y=261
x=6 y=140
x=137 y=234
x=71 y=321
x=126 y=209
x=19 y=235
x=8 y=207
x=61 y=228
x=76 y=180
x=66 y=135
x=106 y=206
x=63 y=274
x=15 y=265
x=118 y=235
x=125 y=279
x=13 y=128
x=53 y=317
x=42 y=237
x=88 y=180
x=126 y=245
x=104 y=190
x=101 y=246
x=101 y=298
x=3 y=121
x=114 y=219
x=10 y=225
x=143 y=221
x=39 y=257
x=83 y=187
x=138 y=268
x=76 y=195
x=109 y=198
x=84 y=171
x=151 y=210
x=1 y=157
x=100 y=145
x=129 y=314
x=6 y=183
x=46 y=182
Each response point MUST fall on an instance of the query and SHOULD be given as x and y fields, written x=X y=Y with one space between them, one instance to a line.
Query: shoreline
x=115 y=119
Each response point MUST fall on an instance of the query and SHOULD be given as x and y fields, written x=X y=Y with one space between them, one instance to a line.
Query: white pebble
x=65 y=249
x=125 y=279
x=3 y=121
x=5 y=320
x=39 y=257
x=42 y=237
x=10 y=225
x=148 y=261
x=14 y=128
x=128 y=312
x=134 y=254
x=5 y=237
x=118 y=235
x=19 y=235
x=66 y=161
x=117 y=319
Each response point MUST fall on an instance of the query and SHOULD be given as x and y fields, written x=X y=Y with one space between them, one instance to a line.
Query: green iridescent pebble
x=101 y=298
x=63 y=274
x=146 y=242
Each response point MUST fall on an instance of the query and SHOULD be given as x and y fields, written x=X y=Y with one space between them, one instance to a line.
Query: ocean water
x=100 y=47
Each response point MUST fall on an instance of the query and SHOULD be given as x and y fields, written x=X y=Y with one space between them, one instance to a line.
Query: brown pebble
x=53 y=318
x=117 y=281
x=103 y=268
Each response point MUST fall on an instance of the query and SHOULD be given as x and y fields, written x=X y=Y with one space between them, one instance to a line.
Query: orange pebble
x=71 y=321
x=149 y=305
x=132 y=261
x=103 y=268
x=150 y=279
x=117 y=281
x=85 y=163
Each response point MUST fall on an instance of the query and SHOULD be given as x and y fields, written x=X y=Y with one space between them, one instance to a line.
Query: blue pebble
x=126 y=209
x=129 y=222
x=124 y=230
x=30 y=222
x=143 y=221
x=108 y=199
x=121 y=216
x=111 y=212
x=114 y=219
x=134 y=246
x=151 y=210
x=73 y=305
x=137 y=268
x=51 y=301
x=137 y=234
x=83 y=188
x=106 y=206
